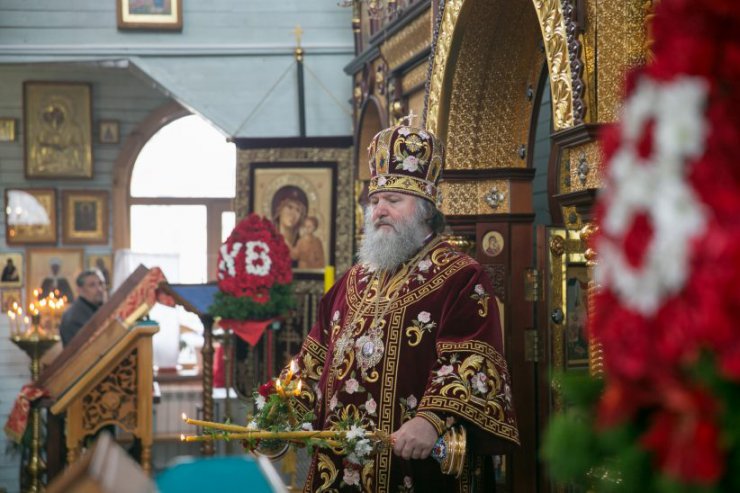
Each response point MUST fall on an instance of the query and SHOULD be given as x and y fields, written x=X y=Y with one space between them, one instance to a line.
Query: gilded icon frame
x=58 y=130
x=7 y=130
x=39 y=265
x=85 y=217
x=14 y=279
x=317 y=181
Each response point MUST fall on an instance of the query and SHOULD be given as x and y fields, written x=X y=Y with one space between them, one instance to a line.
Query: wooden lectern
x=105 y=375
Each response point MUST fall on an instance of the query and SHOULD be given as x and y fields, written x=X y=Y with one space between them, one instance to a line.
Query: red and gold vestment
x=421 y=341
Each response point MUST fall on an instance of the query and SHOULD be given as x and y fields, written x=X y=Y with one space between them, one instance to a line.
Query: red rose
x=266 y=389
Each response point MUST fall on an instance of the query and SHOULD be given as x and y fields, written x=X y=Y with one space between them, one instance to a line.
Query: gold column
x=595 y=350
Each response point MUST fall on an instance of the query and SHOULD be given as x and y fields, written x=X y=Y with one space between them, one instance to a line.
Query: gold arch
x=455 y=20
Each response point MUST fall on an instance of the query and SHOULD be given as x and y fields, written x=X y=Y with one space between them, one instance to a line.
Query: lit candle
x=297 y=390
x=291 y=371
x=279 y=388
x=328 y=277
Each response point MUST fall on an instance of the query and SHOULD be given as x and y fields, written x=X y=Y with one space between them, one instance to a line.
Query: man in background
x=91 y=291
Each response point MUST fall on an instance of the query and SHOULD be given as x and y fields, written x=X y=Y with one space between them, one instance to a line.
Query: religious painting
x=11 y=275
x=492 y=243
x=30 y=216
x=576 y=312
x=8 y=297
x=7 y=129
x=53 y=270
x=299 y=200
x=85 y=216
x=58 y=137
x=103 y=263
x=149 y=14
x=108 y=132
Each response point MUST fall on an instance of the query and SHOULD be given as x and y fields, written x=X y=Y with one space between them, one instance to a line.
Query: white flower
x=424 y=317
x=382 y=181
x=307 y=426
x=371 y=405
x=407 y=482
x=257 y=259
x=227 y=258
x=355 y=432
x=351 y=476
x=479 y=290
x=351 y=386
x=336 y=316
x=410 y=163
x=252 y=425
x=363 y=448
x=404 y=131
x=478 y=381
x=260 y=402
x=424 y=265
x=333 y=402
x=444 y=370
x=411 y=401
x=656 y=188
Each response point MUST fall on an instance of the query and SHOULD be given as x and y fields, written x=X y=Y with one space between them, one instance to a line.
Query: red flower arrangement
x=664 y=417
x=254 y=273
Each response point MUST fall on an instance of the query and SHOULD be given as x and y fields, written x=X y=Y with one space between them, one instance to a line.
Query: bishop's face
x=390 y=211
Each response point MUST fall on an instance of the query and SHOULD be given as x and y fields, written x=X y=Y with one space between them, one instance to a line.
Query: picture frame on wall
x=53 y=269
x=154 y=15
x=7 y=130
x=108 y=132
x=30 y=216
x=58 y=130
x=11 y=270
x=85 y=217
x=299 y=198
x=10 y=296
x=102 y=262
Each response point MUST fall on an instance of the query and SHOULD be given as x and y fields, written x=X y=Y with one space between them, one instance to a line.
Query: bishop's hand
x=414 y=439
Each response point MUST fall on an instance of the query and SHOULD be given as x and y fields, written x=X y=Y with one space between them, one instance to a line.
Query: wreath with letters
x=254 y=273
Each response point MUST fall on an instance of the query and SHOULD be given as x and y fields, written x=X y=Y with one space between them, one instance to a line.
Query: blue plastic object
x=221 y=474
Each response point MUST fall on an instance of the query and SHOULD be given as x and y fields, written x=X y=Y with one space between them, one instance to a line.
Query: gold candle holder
x=35 y=342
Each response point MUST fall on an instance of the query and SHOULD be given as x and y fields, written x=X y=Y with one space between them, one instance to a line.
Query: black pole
x=301 y=93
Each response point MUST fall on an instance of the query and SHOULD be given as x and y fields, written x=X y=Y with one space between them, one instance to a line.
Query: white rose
x=307 y=426
x=424 y=265
x=411 y=401
x=410 y=163
x=355 y=432
x=333 y=402
x=444 y=370
x=424 y=317
x=479 y=290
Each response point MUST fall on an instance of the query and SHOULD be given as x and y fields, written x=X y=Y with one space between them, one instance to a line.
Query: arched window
x=181 y=198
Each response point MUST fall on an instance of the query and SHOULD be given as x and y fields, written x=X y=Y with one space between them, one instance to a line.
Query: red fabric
x=219 y=373
x=248 y=330
x=15 y=427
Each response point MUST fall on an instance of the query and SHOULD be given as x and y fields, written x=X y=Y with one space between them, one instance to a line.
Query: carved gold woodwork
x=583 y=166
x=554 y=35
x=345 y=207
x=622 y=46
x=478 y=103
x=117 y=389
x=595 y=349
x=408 y=42
x=415 y=77
x=467 y=197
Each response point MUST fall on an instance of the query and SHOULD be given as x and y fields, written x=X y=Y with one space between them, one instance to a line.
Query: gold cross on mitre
x=298 y=33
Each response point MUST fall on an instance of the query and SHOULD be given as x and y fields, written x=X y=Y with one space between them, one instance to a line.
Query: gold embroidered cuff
x=434 y=419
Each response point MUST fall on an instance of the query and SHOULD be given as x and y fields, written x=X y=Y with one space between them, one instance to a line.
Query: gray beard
x=387 y=249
